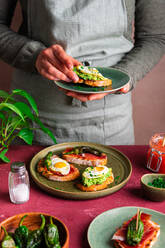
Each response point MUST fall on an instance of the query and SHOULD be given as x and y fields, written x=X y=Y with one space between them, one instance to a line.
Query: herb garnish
x=157 y=182
x=116 y=179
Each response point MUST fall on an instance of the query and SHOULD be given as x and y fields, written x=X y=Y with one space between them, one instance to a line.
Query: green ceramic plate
x=119 y=79
x=104 y=226
x=119 y=163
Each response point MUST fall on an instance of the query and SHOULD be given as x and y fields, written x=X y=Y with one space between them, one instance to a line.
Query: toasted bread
x=98 y=83
x=95 y=83
x=87 y=158
x=96 y=187
x=91 y=76
x=42 y=169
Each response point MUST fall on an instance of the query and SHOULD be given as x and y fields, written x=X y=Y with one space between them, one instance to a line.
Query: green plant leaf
x=16 y=121
x=4 y=94
x=3 y=157
x=2 y=116
x=45 y=130
x=19 y=116
x=25 y=109
x=12 y=107
x=28 y=97
x=27 y=135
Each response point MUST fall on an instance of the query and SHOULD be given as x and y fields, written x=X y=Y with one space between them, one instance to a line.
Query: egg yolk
x=60 y=165
x=99 y=168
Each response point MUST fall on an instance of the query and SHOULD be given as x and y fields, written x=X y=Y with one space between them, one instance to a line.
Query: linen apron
x=88 y=30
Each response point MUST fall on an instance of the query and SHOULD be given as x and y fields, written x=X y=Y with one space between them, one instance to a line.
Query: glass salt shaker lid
x=17 y=167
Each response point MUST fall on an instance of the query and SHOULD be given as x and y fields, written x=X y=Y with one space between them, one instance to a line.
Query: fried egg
x=95 y=172
x=59 y=165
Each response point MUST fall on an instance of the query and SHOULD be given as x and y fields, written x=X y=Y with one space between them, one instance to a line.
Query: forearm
x=15 y=49
x=149 y=44
x=143 y=57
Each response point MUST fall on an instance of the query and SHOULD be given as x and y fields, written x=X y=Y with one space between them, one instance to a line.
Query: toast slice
x=96 y=187
x=49 y=174
x=91 y=76
x=89 y=157
x=95 y=83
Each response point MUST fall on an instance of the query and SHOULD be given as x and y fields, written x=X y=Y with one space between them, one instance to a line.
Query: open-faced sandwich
x=84 y=155
x=91 y=76
x=95 y=178
x=57 y=169
x=138 y=232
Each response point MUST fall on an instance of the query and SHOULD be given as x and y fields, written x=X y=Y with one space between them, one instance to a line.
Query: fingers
x=47 y=70
x=54 y=64
x=125 y=89
x=59 y=52
x=75 y=62
x=81 y=97
x=86 y=97
x=97 y=96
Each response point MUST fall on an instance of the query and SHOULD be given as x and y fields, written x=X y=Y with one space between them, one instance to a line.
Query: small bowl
x=33 y=221
x=153 y=193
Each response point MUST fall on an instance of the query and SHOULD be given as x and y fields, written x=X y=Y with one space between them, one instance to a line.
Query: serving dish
x=118 y=77
x=152 y=193
x=120 y=164
x=102 y=228
x=33 y=221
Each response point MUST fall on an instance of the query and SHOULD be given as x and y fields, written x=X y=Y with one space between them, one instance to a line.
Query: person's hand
x=54 y=64
x=125 y=89
x=91 y=97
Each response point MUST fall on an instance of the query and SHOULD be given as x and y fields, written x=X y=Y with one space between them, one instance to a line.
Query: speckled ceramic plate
x=120 y=164
x=103 y=227
x=119 y=79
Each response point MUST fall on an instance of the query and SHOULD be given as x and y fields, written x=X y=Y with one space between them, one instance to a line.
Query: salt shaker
x=18 y=181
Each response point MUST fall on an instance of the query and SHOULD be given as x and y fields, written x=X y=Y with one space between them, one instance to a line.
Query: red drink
x=156 y=153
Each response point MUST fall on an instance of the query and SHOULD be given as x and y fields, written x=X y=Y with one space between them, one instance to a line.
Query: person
x=56 y=35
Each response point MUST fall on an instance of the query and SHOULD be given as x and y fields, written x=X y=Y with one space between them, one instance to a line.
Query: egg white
x=91 y=71
x=59 y=165
x=95 y=172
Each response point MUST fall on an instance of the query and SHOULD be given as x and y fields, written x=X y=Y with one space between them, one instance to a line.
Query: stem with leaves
x=16 y=118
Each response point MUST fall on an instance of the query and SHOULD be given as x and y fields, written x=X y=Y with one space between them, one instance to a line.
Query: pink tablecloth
x=76 y=214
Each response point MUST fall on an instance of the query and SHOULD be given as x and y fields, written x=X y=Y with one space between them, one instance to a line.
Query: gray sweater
x=148 y=16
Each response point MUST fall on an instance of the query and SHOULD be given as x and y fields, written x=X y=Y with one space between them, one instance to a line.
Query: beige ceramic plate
x=120 y=164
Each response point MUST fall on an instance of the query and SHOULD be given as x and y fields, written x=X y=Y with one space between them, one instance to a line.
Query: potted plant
x=16 y=118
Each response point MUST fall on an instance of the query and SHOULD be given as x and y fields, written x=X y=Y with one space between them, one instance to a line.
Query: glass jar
x=18 y=181
x=156 y=153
